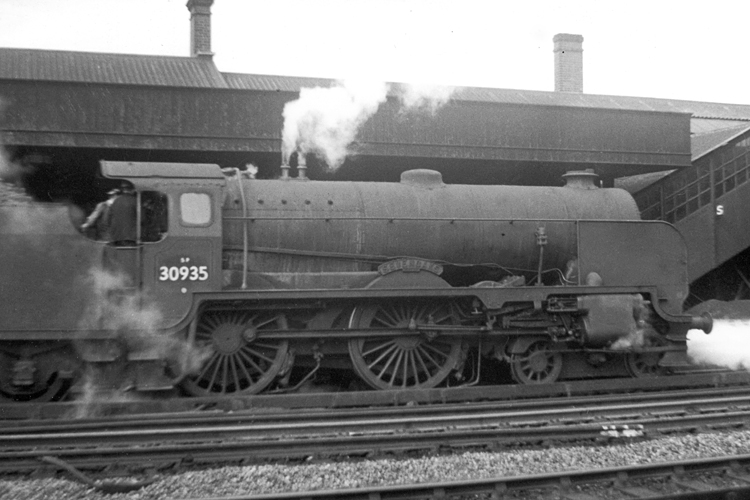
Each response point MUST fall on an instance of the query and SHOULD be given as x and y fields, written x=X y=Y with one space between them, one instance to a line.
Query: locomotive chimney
x=200 y=28
x=301 y=167
x=568 y=62
x=581 y=179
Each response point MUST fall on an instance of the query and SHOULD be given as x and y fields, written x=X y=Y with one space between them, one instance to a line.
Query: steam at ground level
x=728 y=344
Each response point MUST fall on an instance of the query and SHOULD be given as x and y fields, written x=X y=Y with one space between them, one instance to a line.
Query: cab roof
x=135 y=169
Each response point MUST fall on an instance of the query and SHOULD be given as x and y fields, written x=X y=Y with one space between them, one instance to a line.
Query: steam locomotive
x=237 y=285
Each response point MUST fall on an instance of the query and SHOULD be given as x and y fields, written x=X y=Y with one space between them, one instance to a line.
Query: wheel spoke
x=236 y=365
x=214 y=357
x=404 y=360
x=244 y=368
x=385 y=353
x=216 y=371
x=224 y=374
x=378 y=347
x=427 y=355
x=388 y=363
x=406 y=368
x=434 y=349
x=256 y=354
x=414 y=368
x=389 y=321
x=233 y=367
x=203 y=337
x=425 y=370
x=208 y=323
x=247 y=357
x=396 y=365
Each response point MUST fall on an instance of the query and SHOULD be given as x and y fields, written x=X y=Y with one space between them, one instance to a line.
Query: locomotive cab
x=177 y=251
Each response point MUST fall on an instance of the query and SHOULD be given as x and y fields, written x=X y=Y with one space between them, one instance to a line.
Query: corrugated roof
x=470 y=94
x=701 y=110
x=92 y=67
x=703 y=144
x=242 y=81
x=707 y=125
x=130 y=69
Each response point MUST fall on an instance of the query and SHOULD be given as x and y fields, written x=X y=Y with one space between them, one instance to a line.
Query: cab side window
x=195 y=209
x=154 y=216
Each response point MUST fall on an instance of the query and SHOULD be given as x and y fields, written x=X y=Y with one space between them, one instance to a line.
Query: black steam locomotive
x=235 y=285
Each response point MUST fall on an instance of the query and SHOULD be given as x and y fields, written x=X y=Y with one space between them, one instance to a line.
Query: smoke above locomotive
x=324 y=120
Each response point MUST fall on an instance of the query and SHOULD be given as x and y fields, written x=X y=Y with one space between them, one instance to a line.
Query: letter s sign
x=719 y=209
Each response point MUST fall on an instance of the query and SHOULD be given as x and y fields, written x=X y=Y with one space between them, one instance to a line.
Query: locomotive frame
x=397 y=320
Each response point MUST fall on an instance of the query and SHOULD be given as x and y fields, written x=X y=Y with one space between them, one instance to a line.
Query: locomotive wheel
x=644 y=364
x=539 y=364
x=53 y=389
x=240 y=363
x=404 y=361
x=51 y=384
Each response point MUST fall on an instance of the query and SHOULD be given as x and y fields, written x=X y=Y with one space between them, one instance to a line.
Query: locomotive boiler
x=253 y=285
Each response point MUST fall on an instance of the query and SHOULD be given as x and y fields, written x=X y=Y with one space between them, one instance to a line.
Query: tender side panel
x=45 y=266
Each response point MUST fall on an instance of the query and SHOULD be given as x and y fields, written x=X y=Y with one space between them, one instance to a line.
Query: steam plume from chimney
x=325 y=121
x=423 y=96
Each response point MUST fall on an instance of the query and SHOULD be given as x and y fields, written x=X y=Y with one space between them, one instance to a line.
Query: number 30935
x=183 y=273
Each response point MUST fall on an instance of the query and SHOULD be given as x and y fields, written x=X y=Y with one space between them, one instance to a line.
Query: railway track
x=167 y=440
x=106 y=405
x=701 y=479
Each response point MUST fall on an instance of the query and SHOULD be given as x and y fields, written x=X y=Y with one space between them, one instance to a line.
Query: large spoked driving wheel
x=241 y=363
x=539 y=364
x=404 y=360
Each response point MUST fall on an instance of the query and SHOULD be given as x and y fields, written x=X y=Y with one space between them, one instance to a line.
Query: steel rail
x=179 y=430
x=621 y=478
x=574 y=407
x=353 y=442
x=692 y=379
x=229 y=443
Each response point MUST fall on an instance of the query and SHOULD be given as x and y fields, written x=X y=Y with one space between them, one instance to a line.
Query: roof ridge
x=106 y=54
x=728 y=118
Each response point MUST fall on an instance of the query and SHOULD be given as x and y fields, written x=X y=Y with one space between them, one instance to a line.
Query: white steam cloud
x=728 y=345
x=9 y=171
x=325 y=121
x=423 y=96
x=136 y=321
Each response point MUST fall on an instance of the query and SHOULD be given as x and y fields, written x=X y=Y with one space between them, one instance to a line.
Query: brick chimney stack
x=200 y=28
x=568 y=62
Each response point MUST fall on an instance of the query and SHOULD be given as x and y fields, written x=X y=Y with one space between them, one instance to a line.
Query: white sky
x=657 y=48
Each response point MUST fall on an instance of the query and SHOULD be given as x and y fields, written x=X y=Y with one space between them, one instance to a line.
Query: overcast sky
x=657 y=48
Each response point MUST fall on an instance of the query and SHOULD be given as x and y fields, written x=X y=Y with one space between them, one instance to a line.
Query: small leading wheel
x=240 y=363
x=539 y=364
x=644 y=364
x=408 y=360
